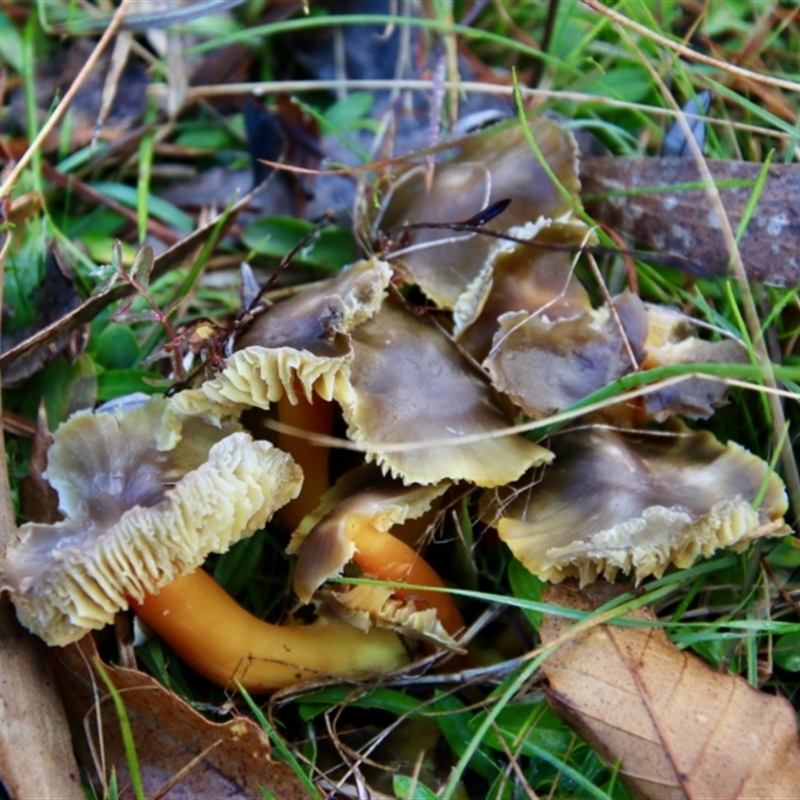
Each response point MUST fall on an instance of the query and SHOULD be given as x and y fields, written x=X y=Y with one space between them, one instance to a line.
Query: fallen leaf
x=678 y=728
x=35 y=750
x=230 y=759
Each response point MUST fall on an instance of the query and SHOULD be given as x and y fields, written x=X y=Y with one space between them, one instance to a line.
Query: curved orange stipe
x=387 y=558
x=216 y=637
x=316 y=417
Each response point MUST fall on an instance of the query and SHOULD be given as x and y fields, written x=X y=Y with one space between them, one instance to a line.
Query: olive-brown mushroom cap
x=303 y=343
x=146 y=496
x=545 y=365
x=408 y=386
x=635 y=502
x=444 y=271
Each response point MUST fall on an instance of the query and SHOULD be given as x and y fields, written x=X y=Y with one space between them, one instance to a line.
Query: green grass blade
x=146 y=147
x=126 y=731
x=279 y=744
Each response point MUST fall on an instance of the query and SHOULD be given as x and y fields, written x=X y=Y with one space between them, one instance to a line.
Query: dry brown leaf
x=678 y=729
x=231 y=759
x=35 y=749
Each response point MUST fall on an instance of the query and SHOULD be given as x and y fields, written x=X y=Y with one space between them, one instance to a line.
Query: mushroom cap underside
x=141 y=509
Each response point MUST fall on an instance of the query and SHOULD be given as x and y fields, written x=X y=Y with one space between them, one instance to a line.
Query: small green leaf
x=142 y=265
x=332 y=249
x=390 y=700
x=407 y=788
x=67 y=388
x=158 y=208
x=10 y=44
x=712 y=649
x=526 y=586
x=116 y=348
x=785 y=555
x=349 y=110
x=787 y=652
x=204 y=137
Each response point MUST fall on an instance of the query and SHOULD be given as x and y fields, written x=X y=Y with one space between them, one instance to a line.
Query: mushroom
x=444 y=264
x=544 y=365
x=409 y=385
x=147 y=495
x=671 y=339
x=637 y=502
x=299 y=348
x=297 y=354
x=352 y=523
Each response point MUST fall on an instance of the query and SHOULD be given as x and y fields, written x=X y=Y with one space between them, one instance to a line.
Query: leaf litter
x=210 y=759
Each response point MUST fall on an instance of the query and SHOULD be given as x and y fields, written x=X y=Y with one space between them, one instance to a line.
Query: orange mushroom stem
x=311 y=417
x=352 y=524
x=387 y=558
x=223 y=642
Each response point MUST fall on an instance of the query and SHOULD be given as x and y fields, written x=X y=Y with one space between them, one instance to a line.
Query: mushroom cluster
x=147 y=494
x=429 y=395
